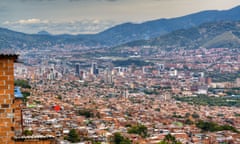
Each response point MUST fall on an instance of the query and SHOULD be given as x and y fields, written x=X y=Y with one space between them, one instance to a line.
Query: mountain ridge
x=208 y=35
x=117 y=35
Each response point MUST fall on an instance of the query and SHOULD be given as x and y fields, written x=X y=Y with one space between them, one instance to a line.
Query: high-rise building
x=94 y=69
x=77 y=69
x=107 y=76
x=161 y=67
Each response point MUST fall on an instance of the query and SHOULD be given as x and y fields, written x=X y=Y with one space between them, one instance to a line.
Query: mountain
x=209 y=35
x=17 y=41
x=117 y=35
x=43 y=33
x=128 y=32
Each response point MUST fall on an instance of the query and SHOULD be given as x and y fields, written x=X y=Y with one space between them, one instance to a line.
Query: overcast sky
x=91 y=16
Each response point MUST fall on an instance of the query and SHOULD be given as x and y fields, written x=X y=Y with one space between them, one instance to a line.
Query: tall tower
x=7 y=104
x=77 y=69
x=94 y=69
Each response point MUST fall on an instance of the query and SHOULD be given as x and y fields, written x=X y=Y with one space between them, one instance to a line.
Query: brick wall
x=6 y=100
x=36 y=142
x=18 y=116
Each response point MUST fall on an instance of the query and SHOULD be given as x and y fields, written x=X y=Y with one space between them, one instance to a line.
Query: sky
x=93 y=16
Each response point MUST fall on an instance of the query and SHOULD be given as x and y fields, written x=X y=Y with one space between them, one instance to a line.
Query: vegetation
x=119 y=139
x=169 y=139
x=27 y=132
x=195 y=115
x=211 y=101
x=213 y=127
x=223 y=77
x=150 y=92
x=73 y=136
x=85 y=112
x=25 y=95
x=188 y=122
x=138 y=129
x=22 y=83
x=129 y=62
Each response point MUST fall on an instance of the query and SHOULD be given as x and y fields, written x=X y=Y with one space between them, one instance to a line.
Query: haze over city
x=120 y=72
x=92 y=16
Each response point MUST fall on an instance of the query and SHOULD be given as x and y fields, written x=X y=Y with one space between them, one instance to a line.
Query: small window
x=5 y=105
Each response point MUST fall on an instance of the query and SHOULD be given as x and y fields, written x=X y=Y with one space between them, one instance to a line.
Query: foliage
x=237 y=114
x=150 y=92
x=138 y=129
x=27 y=132
x=222 y=77
x=86 y=112
x=129 y=62
x=25 y=95
x=73 y=136
x=188 y=122
x=119 y=139
x=195 y=115
x=212 y=127
x=169 y=139
x=211 y=101
x=22 y=83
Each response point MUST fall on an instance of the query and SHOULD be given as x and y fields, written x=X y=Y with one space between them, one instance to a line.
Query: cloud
x=26 y=21
x=85 y=26
x=35 y=0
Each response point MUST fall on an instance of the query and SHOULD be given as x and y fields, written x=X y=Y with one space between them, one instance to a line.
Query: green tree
x=22 y=83
x=73 y=136
x=138 y=129
x=27 y=132
x=169 y=139
x=195 y=115
x=211 y=126
x=119 y=139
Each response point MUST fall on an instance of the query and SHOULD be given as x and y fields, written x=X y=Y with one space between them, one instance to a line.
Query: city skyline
x=92 y=16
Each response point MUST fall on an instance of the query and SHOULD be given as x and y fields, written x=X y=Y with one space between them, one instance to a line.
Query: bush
x=22 y=83
x=212 y=127
x=73 y=136
x=138 y=129
x=119 y=139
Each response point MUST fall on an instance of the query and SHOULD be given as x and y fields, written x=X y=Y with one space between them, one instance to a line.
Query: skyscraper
x=77 y=69
x=94 y=69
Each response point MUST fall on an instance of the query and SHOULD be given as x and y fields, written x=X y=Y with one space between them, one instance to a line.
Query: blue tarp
x=17 y=92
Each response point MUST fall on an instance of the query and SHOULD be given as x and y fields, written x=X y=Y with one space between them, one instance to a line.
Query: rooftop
x=9 y=55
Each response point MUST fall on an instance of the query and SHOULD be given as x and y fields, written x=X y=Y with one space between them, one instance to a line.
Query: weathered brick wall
x=36 y=142
x=18 y=116
x=6 y=100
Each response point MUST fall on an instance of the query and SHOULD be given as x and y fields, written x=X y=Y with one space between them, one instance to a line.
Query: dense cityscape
x=170 y=92
x=119 y=72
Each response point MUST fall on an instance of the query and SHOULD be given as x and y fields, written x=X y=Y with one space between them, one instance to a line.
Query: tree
x=195 y=115
x=73 y=136
x=27 y=132
x=22 y=83
x=169 y=139
x=119 y=139
x=139 y=129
